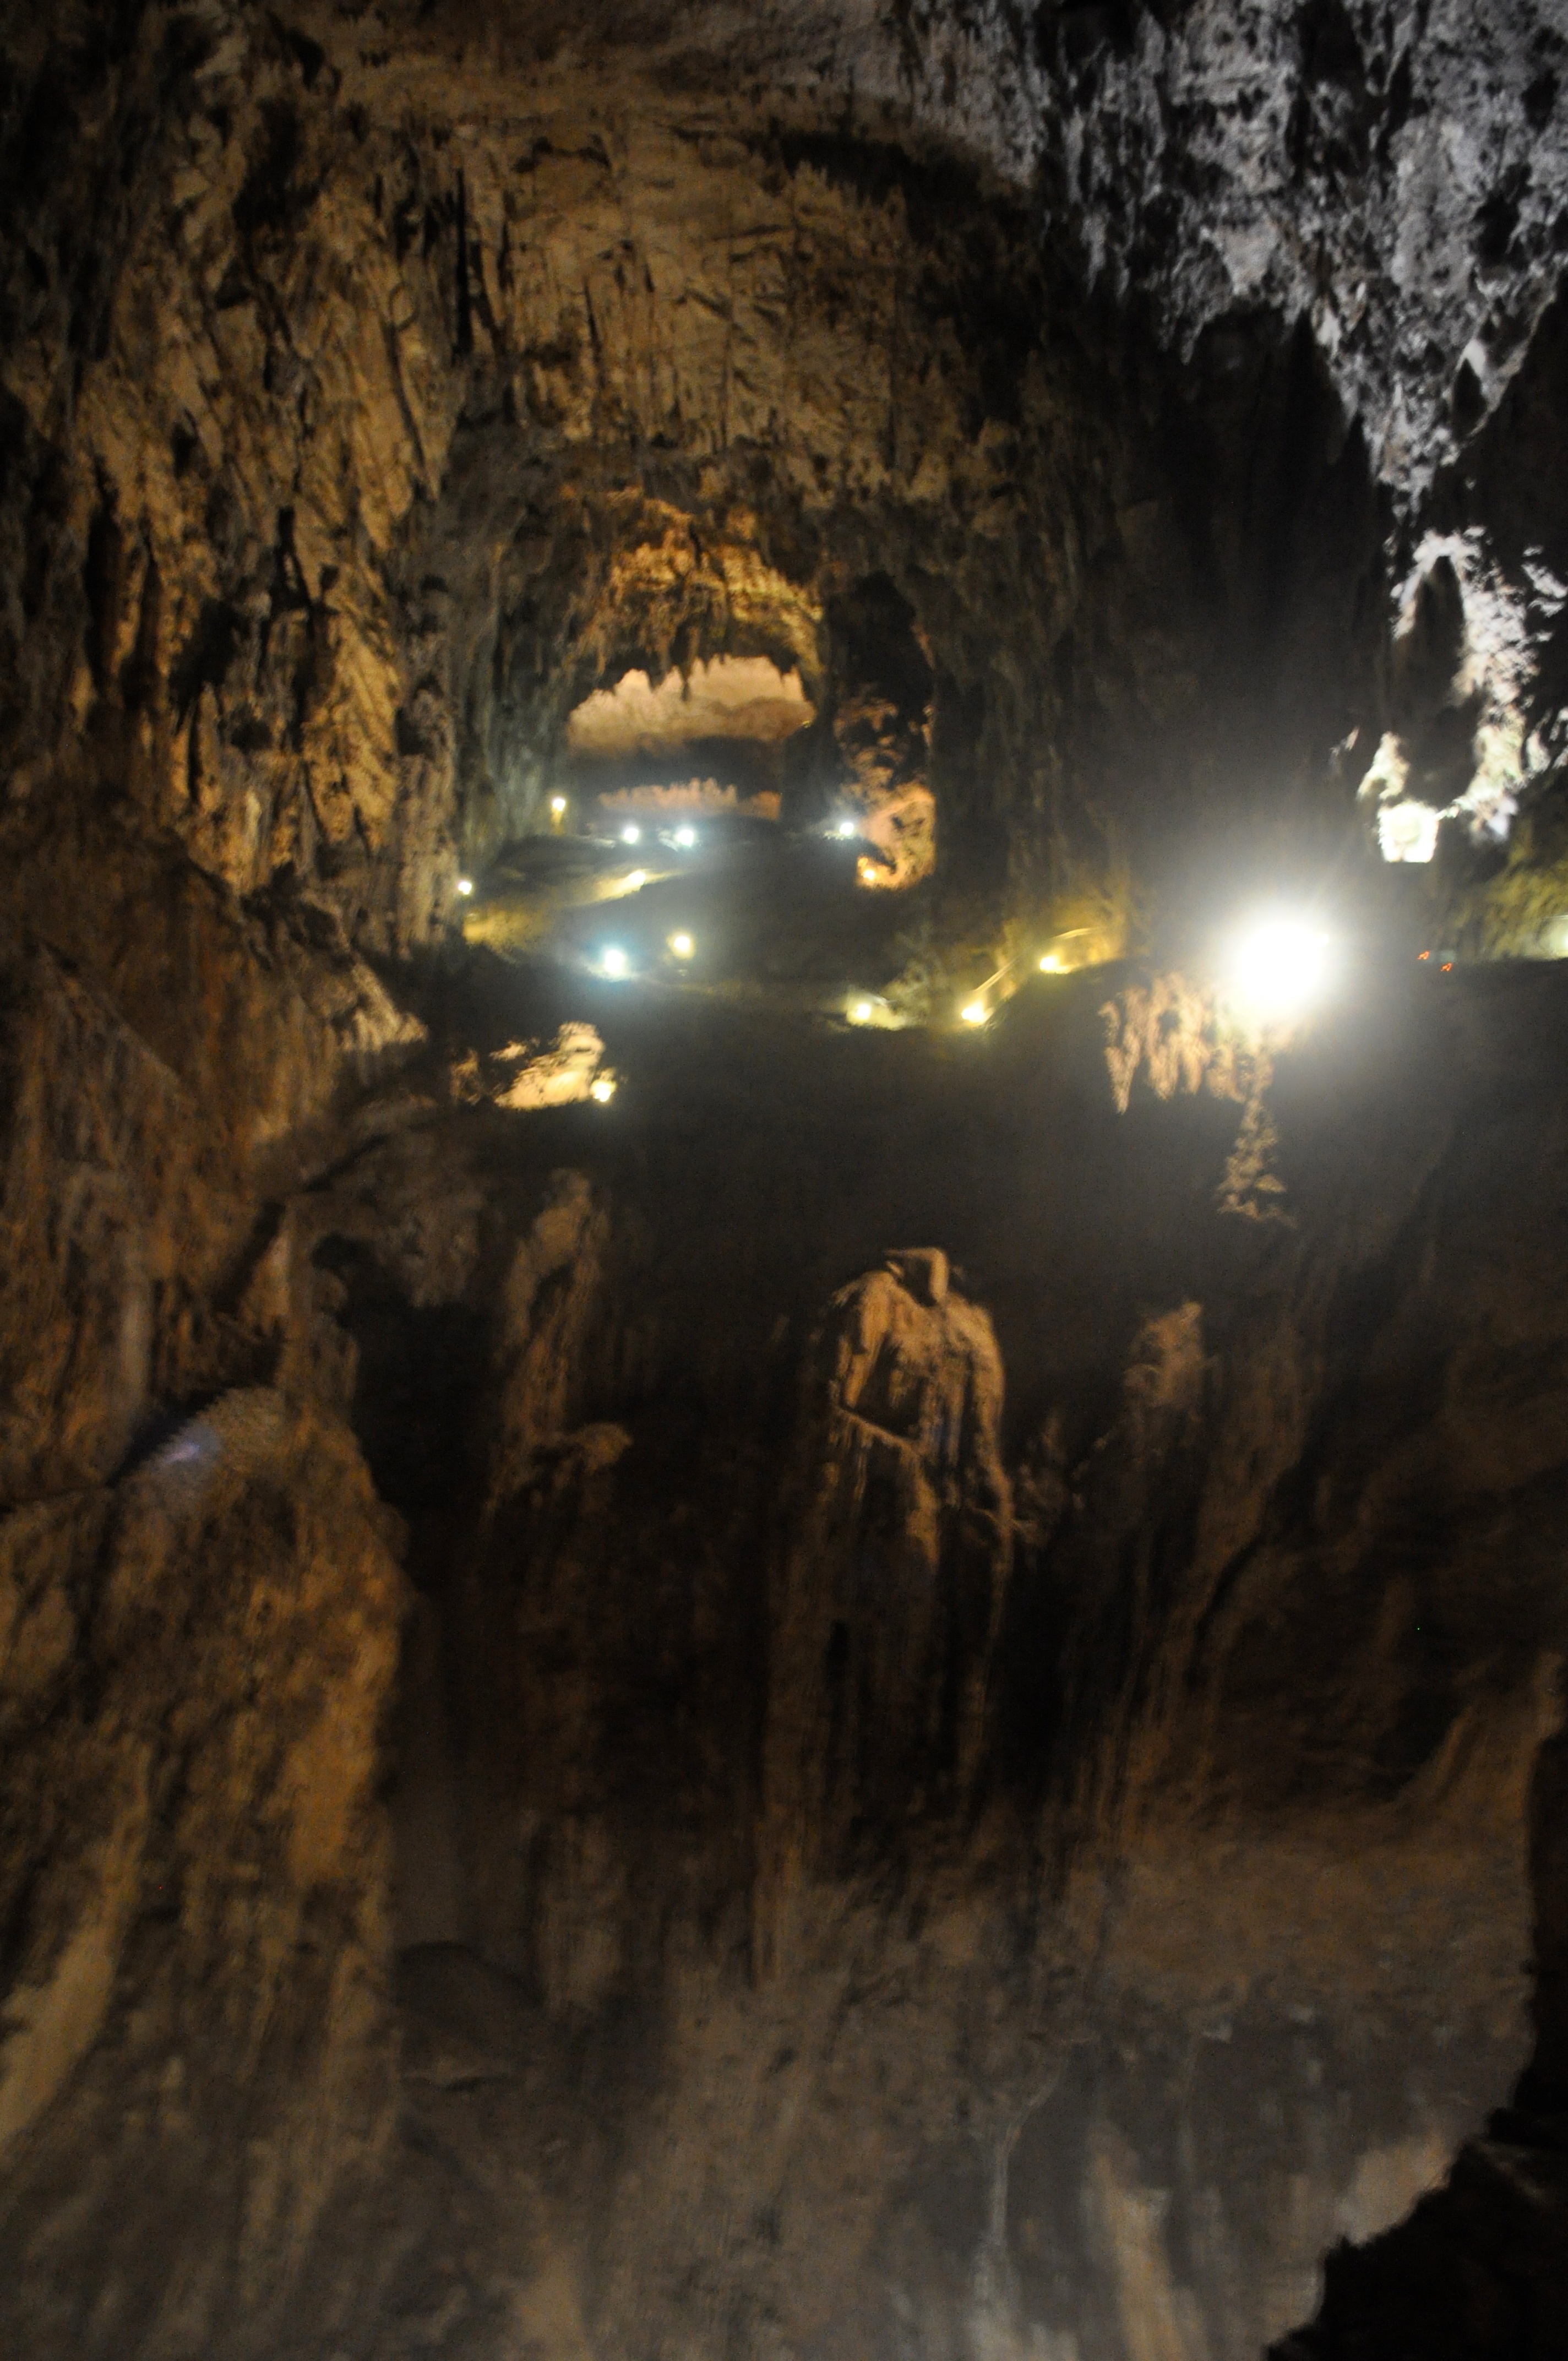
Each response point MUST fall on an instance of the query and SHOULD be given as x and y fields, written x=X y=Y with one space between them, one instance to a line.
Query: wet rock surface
x=1005 y=1819
x=891 y=1690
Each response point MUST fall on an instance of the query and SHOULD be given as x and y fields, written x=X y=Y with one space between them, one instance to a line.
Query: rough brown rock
x=591 y=1758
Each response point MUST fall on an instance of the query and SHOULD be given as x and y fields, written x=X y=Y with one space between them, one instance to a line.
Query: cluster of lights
x=1274 y=970
x=615 y=961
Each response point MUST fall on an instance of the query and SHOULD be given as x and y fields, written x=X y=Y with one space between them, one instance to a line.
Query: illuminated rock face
x=737 y=697
x=593 y=1755
x=383 y=453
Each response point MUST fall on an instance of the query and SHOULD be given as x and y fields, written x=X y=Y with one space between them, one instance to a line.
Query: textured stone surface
x=869 y=1845
x=594 y=1756
x=191 y=1831
x=424 y=377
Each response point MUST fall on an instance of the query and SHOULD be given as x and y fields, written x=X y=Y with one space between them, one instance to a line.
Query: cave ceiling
x=1140 y=349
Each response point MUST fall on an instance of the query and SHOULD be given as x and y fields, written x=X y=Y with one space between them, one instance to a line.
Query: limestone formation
x=597 y=1757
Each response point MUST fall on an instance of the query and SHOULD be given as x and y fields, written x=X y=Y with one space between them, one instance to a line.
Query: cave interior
x=784 y=1104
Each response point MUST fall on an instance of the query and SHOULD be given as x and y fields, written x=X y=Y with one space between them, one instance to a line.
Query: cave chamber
x=782 y=890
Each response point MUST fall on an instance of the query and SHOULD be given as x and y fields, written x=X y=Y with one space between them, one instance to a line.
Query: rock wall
x=345 y=365
x=773 y=1968
x=200 y=1612
x=897 y=1821
x=595 y=1753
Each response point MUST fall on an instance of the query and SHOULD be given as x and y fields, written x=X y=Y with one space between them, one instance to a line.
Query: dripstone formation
x=894 y=1689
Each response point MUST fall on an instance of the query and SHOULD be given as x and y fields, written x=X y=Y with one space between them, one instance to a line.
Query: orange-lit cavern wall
x=888 y=1692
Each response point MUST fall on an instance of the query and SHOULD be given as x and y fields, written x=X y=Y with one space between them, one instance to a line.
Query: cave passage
x=784 y=1087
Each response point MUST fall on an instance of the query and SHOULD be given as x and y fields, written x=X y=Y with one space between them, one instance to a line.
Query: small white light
x=1277 y=966
x=846 y=829
x=557 y=805
x=686 y=838
x=635 y=880
x=974 y=1011
x=631 y=835
x=1050 y=964
x=682 y=945
x=614 y=960
x=1408 y=831
x=860 y=1011
x=604 y=1090
x=465 y=885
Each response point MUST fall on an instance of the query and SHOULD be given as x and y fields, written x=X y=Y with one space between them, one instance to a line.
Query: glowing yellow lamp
x=465 y=887
x=604 y=1090
x=682 y=945
x=635 y=880
x=1051 y=964
x=974 y=1011
x=860 y=1011
x=557 y=807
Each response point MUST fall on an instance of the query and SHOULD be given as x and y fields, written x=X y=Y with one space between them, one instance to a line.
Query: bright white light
x=974 y=1011
x=632 y=835
x=604 y=1090
x=860 y=1011
x=613 y=961
x=686 y=838
x=635 y=880
x=465 y=885
x=682 y=945
x=557 y=805
x=1408 y=831
x=846 y=829
x=1050 y=964
x=1277 y=966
